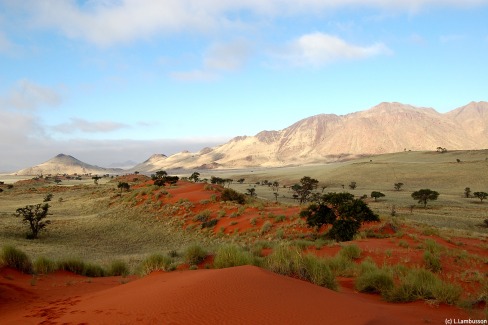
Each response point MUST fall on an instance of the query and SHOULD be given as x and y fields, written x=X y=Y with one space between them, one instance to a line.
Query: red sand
x=241 y=295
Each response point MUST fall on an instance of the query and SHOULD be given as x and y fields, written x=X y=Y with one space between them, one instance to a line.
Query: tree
x=424 y=195
x=304 y=189
x=276 y=186
x=376 y=195
x=240 y=180
x=34 y=215
x=194 y=177
x=48 y=197
x=345 y=216
x=276 y=196
x=95 y=179
x=251 y=192
x=352 y=185
x=481 y=195
x=467 y=192
x=398 y=186
x=123 y=186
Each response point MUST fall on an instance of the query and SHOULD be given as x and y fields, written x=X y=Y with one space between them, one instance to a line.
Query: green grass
x=194 y=254
x=432 y=261
x=232 y=255
x=155 y=262
x=43 y=265
x=17 y=259
x=351 y=251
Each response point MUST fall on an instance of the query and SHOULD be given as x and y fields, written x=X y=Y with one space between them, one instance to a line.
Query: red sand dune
x=241 y=295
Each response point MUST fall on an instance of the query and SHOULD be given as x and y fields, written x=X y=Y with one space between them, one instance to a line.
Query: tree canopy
x=34 y=216
x=424 y=195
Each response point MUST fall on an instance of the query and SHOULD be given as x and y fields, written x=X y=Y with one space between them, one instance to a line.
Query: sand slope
x=241 y=295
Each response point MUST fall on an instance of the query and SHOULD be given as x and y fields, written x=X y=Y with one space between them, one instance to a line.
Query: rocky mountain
x=65 y=164
x=387 y=127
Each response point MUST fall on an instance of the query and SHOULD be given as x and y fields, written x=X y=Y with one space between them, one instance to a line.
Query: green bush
x=72 y=265
x=231 y=255
x=43 y=265
x=422 y=284
x=229 y=194
x=265 y=227
x=344 y=229
x=118 y=267
x=155 y=262
x=93 y=270
x=15 y=258
x=352 y=252
x=284 y=260
x=342 y=266
x=374 y=281
x=432 y=262
x=318 y=272
x=194 y=254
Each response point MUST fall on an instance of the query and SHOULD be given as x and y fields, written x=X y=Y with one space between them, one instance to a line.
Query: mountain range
x=385 y=128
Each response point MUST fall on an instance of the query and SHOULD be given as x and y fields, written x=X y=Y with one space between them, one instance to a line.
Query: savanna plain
x=200 y=251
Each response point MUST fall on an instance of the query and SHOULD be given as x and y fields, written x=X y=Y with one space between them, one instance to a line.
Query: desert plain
x=180 y=254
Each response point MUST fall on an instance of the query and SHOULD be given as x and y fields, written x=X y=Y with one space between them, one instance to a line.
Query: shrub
x=72 y=265
x=351 y=251
x=93 y=270
x=231 y=255
x=318 y=272
x=229 y=194
x=432 y=262
x=342 y=266
x=266 y=227
x=422 y=284
x=155 y=262
x=374 y=280
x=194 y=254
x=344 y=229
x=43 y=265
x=118 y=267
x=284 y=260
x=16 y=259
x=209 y=224
x=202 y=216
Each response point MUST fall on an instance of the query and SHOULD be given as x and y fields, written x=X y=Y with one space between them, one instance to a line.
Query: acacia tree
x=481 y=195
x=123 y=186
x=342 y=211
x=194 y=177
x=398 y=186
x=34 y=216
x=467 y=192
x=424 y=195
x=251 y=191
x=305 y=188
x=376 y=195
x=95 y=179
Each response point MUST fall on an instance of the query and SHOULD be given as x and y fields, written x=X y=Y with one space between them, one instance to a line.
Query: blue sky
x=115 y=80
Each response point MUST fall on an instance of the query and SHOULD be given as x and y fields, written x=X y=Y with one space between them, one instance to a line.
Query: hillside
x=385 y=128
x=65 y=164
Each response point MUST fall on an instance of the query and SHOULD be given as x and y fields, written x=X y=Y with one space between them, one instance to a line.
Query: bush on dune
x=15 y=258
x=231 y=255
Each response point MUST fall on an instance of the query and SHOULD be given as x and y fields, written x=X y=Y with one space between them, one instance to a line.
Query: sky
x=112 y=82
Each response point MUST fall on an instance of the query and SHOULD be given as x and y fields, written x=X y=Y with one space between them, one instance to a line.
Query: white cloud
x=227 y=56
x=451 y=38
x=218 y=58
x=5 y=45
x=194 y=75
x=28 y=95
x=318 y=49
x=117 y=21
x=79 y=124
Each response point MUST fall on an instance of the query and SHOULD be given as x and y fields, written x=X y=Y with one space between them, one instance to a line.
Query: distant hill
x=65 y=164
x=385 y=128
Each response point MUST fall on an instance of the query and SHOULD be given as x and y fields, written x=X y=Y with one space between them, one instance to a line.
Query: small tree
x=34 y=215
x=424 y=195
x=398 y=186
x=123 y=186
x=195 y=177
x=352 y=185
x=481 y=195
x=95 y=179
x=251 y=192
x=304 y=189
x=276 y=196
x=376 y=195
x=48 y=197
x=467 y=192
